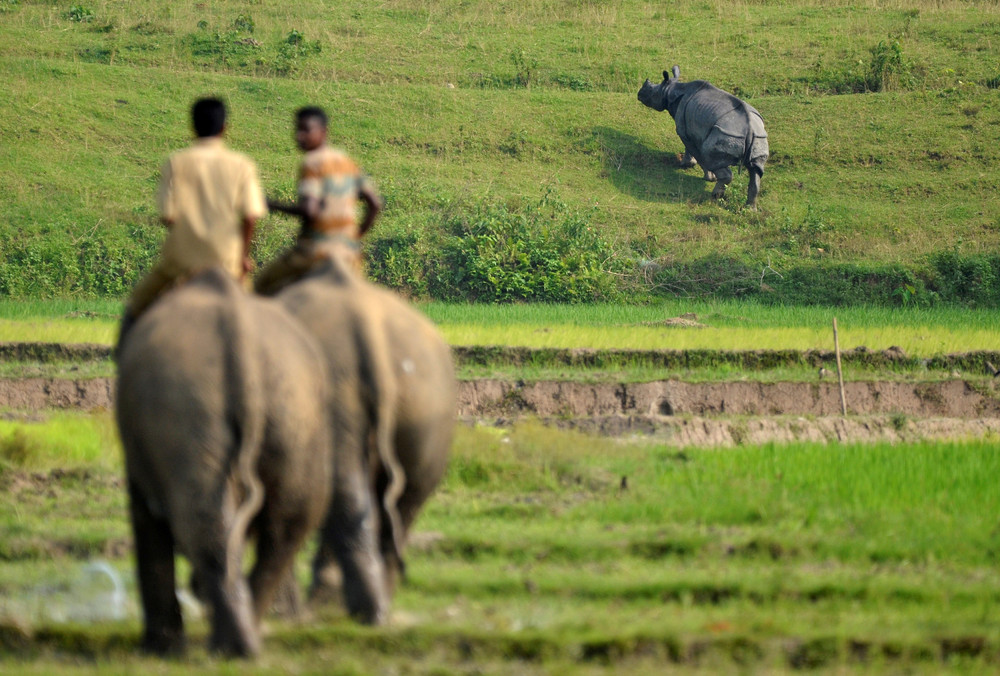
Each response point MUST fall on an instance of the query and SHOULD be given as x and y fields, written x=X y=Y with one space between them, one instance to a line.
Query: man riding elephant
x=392 y=406
x=330 y=186
x=222 y=414
x=209 y=199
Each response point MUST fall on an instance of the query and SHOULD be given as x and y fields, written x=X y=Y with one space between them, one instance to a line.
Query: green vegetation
x=471 y=116
x=64 y=441
x=548 y=551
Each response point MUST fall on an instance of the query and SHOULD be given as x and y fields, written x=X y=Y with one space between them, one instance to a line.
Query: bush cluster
x=948 y=277
x=886 y=69
x=491 y=252
x=236 y=48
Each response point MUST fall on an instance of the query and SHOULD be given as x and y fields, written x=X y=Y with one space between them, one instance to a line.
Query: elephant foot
x=323 y=594
x=287 y=603
x=234 y=629
x=164 y=644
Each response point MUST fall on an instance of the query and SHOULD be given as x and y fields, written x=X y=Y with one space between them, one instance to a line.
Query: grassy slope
x=543 y=563
x=93 y=107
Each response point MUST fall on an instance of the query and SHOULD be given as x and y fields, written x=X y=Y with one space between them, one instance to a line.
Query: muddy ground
x=679 y=413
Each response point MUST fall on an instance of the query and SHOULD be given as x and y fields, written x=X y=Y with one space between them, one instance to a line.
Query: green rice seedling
x=60 y=440
x=551 y=551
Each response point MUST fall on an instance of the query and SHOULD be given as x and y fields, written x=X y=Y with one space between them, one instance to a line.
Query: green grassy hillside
x=884 y=122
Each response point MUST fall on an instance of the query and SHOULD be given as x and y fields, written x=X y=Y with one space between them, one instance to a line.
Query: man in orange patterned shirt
x=330 y=186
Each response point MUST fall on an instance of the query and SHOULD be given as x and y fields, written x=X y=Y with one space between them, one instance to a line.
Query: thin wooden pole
x=840 y=373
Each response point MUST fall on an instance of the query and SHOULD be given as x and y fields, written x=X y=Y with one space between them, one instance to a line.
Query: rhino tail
x=748 y=145
x=246 y=395
x=374 y=350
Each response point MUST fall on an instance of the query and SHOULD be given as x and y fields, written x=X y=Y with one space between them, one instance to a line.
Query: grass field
x=728 y=325
x=883 y=122
x=878 y=559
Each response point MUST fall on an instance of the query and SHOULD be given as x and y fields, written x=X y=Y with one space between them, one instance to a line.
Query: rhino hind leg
x=753 y=188
x=723 y=177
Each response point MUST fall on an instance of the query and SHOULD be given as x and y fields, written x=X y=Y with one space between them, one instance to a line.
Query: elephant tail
x=247 y=413
x=375 y=353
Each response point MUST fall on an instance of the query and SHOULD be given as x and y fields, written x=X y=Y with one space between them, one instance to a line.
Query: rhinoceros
x=718 y=129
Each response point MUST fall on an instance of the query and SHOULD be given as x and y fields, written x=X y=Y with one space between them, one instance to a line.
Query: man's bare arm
x=306 y=209
x=373 y=207
x=248 y=228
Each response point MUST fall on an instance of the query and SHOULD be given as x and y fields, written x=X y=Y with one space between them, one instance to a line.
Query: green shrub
x=236 y=48
x=80 y=14
x=546 y=253
x=974 y=280
x=886 y=69
x=850 y=284
x=491 y=252
x=397 y=257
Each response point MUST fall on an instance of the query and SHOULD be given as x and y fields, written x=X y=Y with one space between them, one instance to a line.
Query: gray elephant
x=221 y=408
x=393 y=405
x=718 y=129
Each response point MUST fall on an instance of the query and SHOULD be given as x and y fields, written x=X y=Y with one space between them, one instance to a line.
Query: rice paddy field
x=720 y=324
x=547 y=551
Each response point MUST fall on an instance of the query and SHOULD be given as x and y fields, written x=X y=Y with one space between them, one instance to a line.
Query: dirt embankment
x=573 y=400
x=484 y=355
x=680 y=413
x=952 y=399
x=677 y=413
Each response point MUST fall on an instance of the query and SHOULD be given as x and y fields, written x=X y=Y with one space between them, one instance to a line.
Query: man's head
x=208 y=117
x=310 y=128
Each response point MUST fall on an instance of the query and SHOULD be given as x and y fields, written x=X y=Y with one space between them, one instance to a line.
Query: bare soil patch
x=678 y=413
x=951 y=399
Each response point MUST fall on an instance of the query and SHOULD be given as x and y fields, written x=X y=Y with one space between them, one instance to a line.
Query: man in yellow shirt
x=330 y=186
x=209 y=199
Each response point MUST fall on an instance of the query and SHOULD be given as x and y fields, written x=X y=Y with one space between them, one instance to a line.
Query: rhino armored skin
x=718 y=129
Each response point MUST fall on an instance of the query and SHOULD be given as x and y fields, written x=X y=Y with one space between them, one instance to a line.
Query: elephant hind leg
x=234 y=628
x=154 y=551
x=349 y=536
x=277 y=542
x=226 y=593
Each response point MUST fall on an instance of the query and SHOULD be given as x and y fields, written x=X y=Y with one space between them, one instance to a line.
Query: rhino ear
x=677 y=71
x=666 y=76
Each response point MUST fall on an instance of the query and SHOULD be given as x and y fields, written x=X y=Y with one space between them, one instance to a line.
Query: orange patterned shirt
x=330 y=176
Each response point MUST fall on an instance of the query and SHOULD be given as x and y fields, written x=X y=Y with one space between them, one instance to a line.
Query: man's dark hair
x=208 y=117
x=311 y=111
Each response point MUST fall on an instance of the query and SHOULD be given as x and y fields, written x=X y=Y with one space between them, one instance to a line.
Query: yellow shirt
x=205 y=192
x=329 y=175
